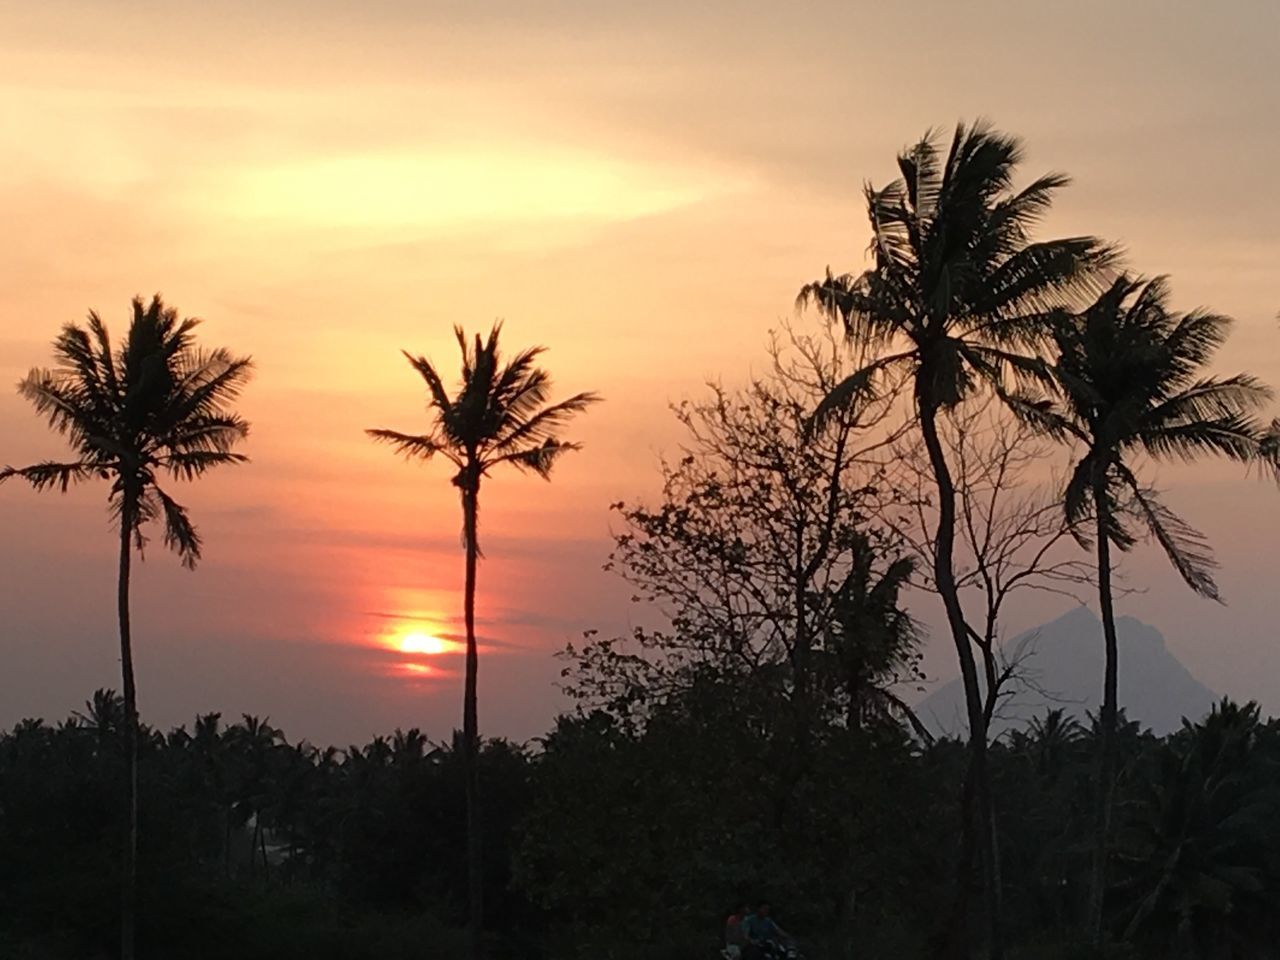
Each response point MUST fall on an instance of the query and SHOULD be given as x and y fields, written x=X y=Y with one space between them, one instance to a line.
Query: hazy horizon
x=644 y=195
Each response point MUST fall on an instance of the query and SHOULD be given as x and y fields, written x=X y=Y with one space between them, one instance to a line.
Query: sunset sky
x=641 y=187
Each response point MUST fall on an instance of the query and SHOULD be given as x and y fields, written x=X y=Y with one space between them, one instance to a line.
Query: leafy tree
x=500 y=415
x=762 y=532
x=956 y=296
x=159 y=405
x=1130 y=381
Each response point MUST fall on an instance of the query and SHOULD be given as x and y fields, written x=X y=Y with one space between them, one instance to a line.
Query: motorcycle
x=772 y=950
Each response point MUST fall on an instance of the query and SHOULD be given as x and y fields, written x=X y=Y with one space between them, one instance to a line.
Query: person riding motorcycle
x=763 y=935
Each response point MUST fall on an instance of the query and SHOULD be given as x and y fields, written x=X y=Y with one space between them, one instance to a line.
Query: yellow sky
x=640 y=187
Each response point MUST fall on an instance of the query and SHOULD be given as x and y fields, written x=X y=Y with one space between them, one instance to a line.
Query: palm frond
x=857 y=387
x=1193 y=340
x=82 y=365
x=218 y=432
x=921 y=172
x=423 y=447
x=519 y=392
x=1036 y=279
x=1079 y=506
x=49 y=474
x=541 y=426
x=1234 y=437
x=999 y=367
x=539 y=459
x=1187 y=548
x=439 y=395
x=1015 y=215
x=208 y=382
x=1209 y=398
x=830 y=295
x=1269 y=448
x=62 y=402
x=1041 y=414
x=190 y=464
x=873 y=308
x=180 y=535
x=106 y=358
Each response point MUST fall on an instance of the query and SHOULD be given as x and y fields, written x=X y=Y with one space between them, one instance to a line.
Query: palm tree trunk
x=1107 y=721
x=262 y=845
x=129 y=889
x=471 y=734
x=977 y=813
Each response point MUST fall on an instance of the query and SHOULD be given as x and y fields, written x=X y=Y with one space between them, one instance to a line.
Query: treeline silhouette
x=761 y=737
x=609 y=840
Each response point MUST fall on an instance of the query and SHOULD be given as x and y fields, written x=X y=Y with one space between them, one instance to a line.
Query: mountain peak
x=1061 y=666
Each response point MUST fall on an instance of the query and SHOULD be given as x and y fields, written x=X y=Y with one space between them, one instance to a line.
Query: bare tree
x=1012 y=537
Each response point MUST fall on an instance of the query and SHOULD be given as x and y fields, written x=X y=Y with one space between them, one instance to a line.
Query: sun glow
x=450 y=185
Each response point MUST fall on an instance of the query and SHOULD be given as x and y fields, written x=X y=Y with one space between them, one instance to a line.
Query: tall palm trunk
x=470 y=730
x=1107 y=719
x=977 y=817
x=129 y=890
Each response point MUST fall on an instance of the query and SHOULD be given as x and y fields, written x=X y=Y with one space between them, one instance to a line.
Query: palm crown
x=1130 y=381
x=956 y=275
x=157 y=405
x=499 y=415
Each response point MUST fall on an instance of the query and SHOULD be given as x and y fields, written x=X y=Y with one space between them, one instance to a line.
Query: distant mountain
x=1063 y=663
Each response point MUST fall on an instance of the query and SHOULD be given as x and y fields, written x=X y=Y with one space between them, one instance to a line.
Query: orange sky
x=641 y=187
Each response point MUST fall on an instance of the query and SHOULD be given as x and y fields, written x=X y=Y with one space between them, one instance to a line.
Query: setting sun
x=423 y=643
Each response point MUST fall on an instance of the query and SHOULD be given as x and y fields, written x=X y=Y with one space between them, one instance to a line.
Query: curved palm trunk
x=1107 y=718
x=129 y=890
x=978 y=822
x=471 y=734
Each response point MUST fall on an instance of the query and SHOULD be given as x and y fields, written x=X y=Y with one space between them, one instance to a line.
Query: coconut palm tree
x=157 y=406
x=957 y=296
x=874 y=643
x=1130 y=381
x=500 y=415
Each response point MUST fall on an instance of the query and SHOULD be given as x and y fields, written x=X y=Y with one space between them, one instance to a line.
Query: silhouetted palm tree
x=500 y=415
x=1050 y=739
x=875 y=641
x=254 y=743
x=957 y=293
x=1130 y=379
x=103 y=714
x=156 y=406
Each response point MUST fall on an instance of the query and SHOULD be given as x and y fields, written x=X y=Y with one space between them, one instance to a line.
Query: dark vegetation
x=754 y=738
